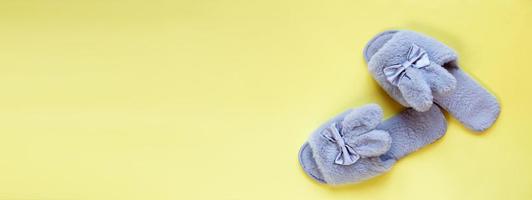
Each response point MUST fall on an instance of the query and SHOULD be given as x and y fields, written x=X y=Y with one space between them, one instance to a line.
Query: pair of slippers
x=421 y=74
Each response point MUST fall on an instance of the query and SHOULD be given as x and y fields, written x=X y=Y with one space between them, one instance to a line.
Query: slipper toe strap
x=409 y=67
x=347 y=151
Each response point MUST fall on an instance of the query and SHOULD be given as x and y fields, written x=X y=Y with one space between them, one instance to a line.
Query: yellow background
x=212 y=99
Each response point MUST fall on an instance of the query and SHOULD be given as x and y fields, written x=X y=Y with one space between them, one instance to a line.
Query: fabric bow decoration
x=347 y=155
x=416 y=57
x=352 y=147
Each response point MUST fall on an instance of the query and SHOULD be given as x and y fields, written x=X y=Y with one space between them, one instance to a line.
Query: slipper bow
x=417 y=58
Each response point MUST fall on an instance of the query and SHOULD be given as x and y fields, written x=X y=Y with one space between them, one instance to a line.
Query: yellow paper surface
x=212 y=99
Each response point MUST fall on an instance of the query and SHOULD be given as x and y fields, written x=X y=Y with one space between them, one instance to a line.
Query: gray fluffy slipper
x=355 y=145
x=417 y=70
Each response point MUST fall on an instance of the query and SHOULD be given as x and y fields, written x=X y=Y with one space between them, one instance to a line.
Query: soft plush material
x=356 y=146
x=417 y=70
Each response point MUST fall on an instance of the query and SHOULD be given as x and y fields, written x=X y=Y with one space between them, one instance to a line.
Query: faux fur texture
x=400 y=135
x=441 y=82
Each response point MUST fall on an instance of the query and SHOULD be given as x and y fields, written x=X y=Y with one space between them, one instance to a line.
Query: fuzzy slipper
x=355 y=145
x=416 y=70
